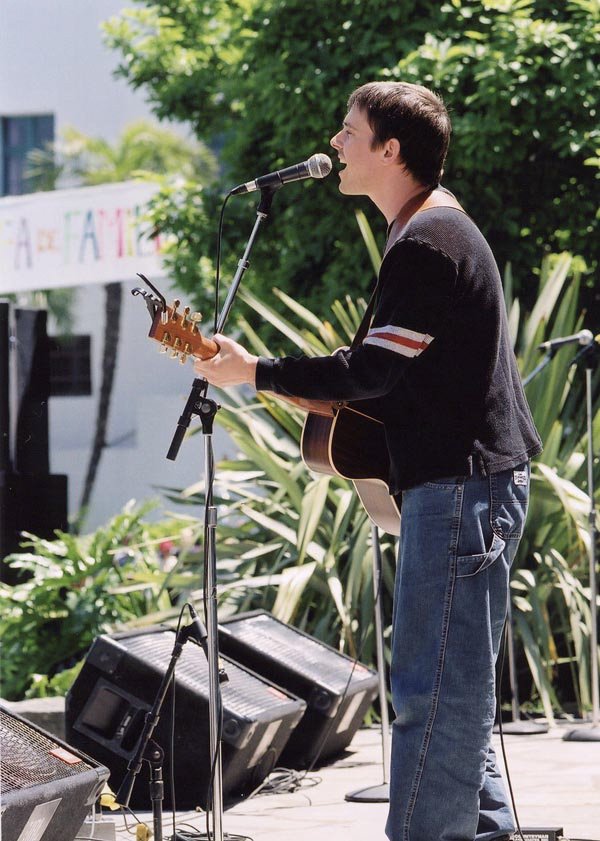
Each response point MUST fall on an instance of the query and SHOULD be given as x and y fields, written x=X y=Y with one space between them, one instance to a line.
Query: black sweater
x=436 y=363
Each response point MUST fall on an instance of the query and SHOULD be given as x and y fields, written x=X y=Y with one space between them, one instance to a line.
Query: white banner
x=77 y=237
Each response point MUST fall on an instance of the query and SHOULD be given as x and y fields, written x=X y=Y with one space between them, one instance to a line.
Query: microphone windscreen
x=319 y=165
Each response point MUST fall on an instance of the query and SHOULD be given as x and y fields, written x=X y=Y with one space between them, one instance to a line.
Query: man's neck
x=395 y=194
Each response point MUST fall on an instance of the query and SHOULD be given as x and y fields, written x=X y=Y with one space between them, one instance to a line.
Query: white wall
x=52 y=59
x=149 y=395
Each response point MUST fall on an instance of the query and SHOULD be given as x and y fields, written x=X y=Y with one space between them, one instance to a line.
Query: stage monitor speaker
x=338 y=692
x=46 y=787
x=120 y=678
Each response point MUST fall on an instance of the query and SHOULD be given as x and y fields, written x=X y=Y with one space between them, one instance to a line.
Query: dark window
x=70 y=368
x=19 y=136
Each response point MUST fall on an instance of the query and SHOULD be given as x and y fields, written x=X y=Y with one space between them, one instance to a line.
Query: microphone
x=317 y=166
x=584 y=337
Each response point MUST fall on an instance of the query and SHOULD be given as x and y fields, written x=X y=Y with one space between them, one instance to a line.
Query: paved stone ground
x=555 y=783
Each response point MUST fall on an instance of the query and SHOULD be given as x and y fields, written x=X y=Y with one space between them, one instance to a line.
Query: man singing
x=437 y=357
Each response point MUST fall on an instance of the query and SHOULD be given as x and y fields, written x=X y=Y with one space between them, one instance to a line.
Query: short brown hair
x=416 y=117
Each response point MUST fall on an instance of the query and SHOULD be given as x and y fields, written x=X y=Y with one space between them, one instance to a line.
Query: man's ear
x=391 y=150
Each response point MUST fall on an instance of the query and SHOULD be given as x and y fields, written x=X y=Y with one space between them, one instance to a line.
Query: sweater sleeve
x=416 y=286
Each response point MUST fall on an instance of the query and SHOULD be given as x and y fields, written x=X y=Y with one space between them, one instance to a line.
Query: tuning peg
x=176 y=303
x=187 y=349
x=165 y=343
x=195 y=318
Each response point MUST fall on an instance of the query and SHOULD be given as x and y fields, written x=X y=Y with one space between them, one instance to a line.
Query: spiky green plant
x=73 y=588
x=551 y=594
x=299 y=544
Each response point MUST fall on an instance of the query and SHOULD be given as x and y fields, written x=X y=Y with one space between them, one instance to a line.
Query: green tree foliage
x=266 y=81
x=522 y=82
x=142 y=149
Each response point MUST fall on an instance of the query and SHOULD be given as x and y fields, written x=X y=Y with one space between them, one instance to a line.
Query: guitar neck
x=178 y=331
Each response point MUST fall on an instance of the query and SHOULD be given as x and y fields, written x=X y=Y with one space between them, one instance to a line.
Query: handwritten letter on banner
x=77 y=237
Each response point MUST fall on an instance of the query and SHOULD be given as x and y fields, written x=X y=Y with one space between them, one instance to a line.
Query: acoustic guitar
x=338 y=439
x=351 y=443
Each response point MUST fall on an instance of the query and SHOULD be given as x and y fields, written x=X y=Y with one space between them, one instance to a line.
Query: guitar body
x=352 y=444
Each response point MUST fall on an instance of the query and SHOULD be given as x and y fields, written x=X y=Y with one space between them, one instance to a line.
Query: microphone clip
x=266 y=199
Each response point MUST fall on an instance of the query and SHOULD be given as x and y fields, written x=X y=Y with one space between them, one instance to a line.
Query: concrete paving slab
x=555 y=783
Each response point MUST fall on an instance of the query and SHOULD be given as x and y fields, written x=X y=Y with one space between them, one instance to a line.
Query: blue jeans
x=458 y=539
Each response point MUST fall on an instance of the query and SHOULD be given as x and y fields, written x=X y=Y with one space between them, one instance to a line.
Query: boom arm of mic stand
x=545 y=361
x=264 y=206
x=123 y=795
x=196 y=401
x=145 y=746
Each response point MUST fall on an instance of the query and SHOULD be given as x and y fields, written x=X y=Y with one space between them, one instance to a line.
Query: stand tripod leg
x=517 y=726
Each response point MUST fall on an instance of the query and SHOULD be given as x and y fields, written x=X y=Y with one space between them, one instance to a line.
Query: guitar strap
x=423 y=201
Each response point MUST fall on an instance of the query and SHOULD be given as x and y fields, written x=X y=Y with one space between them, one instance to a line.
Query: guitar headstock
x=176 y=331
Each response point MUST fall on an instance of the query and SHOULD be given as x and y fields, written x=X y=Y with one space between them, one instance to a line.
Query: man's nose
x=335 y=142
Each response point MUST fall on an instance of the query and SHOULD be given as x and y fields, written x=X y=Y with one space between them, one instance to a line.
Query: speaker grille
x=243 y=694
x=285 y=645
x=30 y=758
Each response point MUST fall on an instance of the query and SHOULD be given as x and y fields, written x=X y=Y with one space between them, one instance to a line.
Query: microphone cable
x=218 y=260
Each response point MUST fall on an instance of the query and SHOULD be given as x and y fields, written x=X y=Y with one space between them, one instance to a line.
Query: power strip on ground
x=540 y=833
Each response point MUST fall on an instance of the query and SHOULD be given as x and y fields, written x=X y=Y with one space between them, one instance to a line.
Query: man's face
x=353 y=146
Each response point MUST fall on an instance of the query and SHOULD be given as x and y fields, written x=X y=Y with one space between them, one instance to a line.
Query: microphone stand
x=198 y=404
x=590 y=354
x=519 y=726
x=147 y=750
x=592 y=734
x=264 y=206
x=378 y=793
